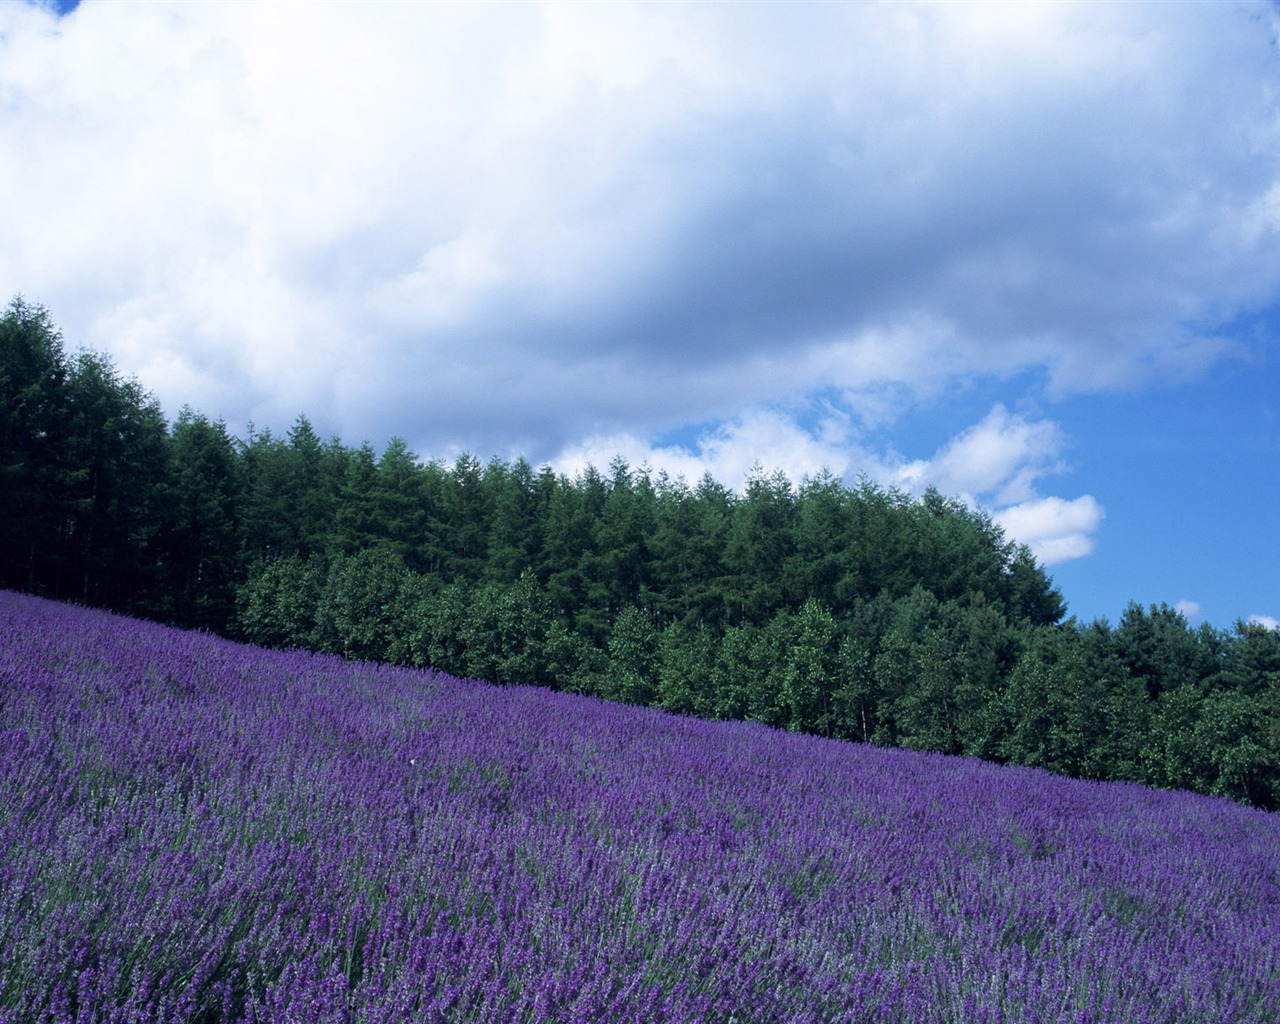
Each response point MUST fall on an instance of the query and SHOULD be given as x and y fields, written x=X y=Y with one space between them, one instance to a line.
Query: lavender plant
x=192 y=830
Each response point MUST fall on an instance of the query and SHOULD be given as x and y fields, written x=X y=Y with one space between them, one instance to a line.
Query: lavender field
x=192 y=830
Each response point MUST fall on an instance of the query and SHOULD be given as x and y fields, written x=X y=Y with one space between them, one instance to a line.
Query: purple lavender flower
x=192 y=830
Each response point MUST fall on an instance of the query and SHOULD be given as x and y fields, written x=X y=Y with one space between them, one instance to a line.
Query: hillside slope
x=192 y=830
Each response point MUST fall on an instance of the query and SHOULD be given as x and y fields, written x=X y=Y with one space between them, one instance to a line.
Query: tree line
x=855 y=612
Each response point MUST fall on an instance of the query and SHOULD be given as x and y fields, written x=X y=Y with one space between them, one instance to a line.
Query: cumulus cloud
x=758 y=440
x=997 y=463
x=994 y=464
x=1002 y=456
x=1265 y=621
x=1056 y=530
x=1189 y=610
x=840 y=197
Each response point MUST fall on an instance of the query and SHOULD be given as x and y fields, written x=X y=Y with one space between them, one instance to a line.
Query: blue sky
x=1026 y=253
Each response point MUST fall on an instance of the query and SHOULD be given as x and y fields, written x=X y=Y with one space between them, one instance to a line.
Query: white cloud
x=1265 y=621
x=1189 y=610
x=1000 y=457
x=761 y=439
x=564 y=230
x=1055 y=529
x=445 y=286
x=997 y=463
x=846 y=196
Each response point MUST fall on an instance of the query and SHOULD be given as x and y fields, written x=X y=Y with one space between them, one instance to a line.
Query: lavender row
x=191 y=830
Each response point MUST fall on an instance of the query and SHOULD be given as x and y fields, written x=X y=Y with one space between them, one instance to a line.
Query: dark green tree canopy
x=853 y=611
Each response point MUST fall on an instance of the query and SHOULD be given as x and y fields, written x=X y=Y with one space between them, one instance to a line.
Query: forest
x=855 y=612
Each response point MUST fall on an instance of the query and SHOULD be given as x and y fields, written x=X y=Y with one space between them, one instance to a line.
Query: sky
x=1027 y=254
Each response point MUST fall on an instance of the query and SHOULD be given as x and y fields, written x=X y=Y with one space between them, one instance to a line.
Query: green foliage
x=398 y=516
x=1049 y=708
x=573 y=663
x=33 y=427
x=359 y=522
x=854 y=612
x=436 y=618
x=1237 y=734
x=312 y=505
x=276 y=606
x=359 y=614
x=117 y=443
x=686 y=666
x=1250 y=660
x=809 y=668
x=1171 y=756
x=519 y=501
x=1158 y=647
x=739 y=681
x=632 y=675
x=201 y=534
x=856 y=696
x=1225 y=743
x=935 y=697
x=759 y=548
x=266 y=531
x=505 y=633
x=1027 y=592
x=83 y=471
